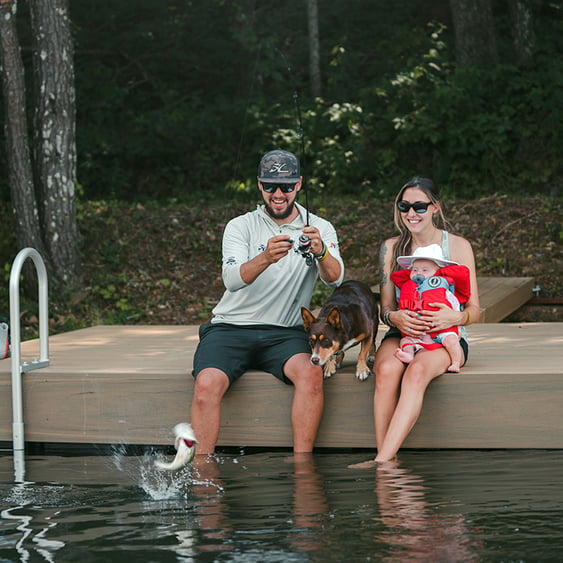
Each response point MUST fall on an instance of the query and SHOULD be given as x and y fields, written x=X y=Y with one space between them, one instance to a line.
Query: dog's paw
x=371 y=361
x=330 y=367
x=363 y=375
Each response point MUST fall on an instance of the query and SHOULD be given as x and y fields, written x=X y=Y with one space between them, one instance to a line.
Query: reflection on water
x=431 y=506
x=415 y=528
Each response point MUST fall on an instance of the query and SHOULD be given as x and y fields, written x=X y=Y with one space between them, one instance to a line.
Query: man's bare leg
x=308 y=401
x=205 y=415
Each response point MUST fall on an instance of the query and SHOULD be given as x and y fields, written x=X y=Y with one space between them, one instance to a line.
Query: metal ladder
x=15 y=331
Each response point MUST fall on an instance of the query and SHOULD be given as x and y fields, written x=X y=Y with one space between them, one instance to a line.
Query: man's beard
x=283 y=215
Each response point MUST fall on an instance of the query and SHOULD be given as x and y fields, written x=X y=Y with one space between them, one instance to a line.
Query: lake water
x=269 y=506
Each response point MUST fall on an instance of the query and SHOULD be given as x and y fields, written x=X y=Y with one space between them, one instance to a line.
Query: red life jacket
x=457 y=279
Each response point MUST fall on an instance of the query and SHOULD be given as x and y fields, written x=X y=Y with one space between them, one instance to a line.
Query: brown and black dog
x=349 y=317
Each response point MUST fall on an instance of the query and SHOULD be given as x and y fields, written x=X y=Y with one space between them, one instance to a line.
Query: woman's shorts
x=234 y=349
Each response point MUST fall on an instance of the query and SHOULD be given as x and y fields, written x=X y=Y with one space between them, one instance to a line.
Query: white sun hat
x=432 y=252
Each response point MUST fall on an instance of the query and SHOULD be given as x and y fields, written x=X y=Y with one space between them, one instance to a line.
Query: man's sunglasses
x=270 y=188
x=418 y=206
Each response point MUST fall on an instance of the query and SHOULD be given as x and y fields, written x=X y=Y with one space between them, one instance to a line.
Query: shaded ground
x=161 y=265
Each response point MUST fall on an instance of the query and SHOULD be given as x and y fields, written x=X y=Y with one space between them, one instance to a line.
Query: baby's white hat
x=432 y=252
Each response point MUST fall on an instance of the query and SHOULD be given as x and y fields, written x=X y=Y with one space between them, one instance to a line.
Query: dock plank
x=500 y=296
x=119 y=384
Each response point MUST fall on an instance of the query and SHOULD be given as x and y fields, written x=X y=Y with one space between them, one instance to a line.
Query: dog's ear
x=307 y=316
x=333 y=318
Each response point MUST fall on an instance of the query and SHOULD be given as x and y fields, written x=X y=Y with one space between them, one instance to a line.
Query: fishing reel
x=303 y=247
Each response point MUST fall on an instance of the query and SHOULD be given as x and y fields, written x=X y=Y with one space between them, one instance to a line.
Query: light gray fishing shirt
x=277 y=294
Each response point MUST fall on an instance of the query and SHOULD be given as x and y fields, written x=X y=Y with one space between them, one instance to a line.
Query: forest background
x=176 y=101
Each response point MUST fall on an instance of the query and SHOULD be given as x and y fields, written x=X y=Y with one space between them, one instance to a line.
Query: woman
x=400 y=387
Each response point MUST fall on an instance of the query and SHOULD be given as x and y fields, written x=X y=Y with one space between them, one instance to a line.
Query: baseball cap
x=279 y=166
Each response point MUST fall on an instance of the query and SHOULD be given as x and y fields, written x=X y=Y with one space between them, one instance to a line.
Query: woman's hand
x=443 y=318
x=410 y=323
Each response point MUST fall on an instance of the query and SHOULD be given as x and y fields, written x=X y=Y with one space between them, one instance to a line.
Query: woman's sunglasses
x=270 y=188
x=418 y=206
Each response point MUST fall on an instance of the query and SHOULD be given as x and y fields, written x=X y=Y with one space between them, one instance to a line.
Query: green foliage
x=338 y=147
x=6 y=273
x=321 y=292
x=178 y=100
x=475 y=131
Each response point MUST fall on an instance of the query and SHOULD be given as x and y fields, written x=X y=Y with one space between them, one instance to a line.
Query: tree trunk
x=20 y=171
x=474 y=32
x=523 y=35
x=314 y=55
x=55 y=139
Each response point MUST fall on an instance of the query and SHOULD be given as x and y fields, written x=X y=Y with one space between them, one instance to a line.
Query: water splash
x=158 y=485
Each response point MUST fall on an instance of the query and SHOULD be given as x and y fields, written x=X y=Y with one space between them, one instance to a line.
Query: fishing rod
x=304 y=242
x=303 y=245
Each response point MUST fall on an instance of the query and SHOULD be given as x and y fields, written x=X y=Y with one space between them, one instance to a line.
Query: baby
x=429 y=278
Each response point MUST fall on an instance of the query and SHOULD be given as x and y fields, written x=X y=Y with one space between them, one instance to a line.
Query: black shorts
x=394 y=332
x=235 y=349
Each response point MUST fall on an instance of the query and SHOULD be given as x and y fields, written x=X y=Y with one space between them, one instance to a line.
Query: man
x=257 y=324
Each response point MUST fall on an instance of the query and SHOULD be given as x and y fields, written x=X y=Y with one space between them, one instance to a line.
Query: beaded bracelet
x=386 y=319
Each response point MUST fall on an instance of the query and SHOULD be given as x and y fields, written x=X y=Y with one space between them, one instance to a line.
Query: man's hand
x=277 y=248
x=316 y=241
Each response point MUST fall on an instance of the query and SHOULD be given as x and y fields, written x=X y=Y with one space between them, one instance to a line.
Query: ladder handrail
x=15 y=332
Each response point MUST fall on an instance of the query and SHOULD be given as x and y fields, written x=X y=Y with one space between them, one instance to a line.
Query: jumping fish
x=185 y=448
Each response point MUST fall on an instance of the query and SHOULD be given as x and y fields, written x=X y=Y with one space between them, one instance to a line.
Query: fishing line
x=301 y=136
x=248 y=101
x=304 y=242
x=303 y=246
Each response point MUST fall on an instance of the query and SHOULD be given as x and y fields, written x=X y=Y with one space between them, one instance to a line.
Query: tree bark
x=523 y=36
x=314 y=49
x=474 y=32
x=20 y=172
x=55 y=138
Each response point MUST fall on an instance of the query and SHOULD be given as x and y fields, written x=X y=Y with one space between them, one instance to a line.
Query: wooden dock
x=131 y=384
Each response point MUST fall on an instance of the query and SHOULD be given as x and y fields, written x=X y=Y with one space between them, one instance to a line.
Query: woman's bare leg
x=388 y=373
x=426 y=366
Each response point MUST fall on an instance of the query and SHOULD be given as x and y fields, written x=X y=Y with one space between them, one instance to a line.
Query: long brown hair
x=403 y=244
